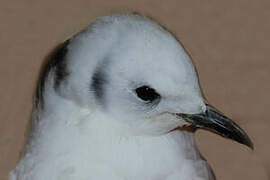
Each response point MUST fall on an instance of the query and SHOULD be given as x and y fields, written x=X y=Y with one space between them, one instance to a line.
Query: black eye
x=146 y=93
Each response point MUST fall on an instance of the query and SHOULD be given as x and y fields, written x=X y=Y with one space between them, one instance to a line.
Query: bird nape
x=113 y=102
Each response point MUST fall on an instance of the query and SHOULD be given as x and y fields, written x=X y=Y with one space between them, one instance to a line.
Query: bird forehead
x=168 y=76
x=155 y=62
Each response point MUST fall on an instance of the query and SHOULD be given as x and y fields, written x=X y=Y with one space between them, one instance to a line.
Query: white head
x=133 y=71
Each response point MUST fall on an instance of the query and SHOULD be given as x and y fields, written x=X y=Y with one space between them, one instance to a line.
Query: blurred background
x=228 y=41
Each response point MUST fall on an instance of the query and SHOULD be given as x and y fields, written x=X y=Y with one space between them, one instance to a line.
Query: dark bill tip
x=214 y=121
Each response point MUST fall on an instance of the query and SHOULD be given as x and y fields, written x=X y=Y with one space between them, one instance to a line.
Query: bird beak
x=214 y=121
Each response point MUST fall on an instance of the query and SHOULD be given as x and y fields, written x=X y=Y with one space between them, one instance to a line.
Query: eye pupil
x=146 y=93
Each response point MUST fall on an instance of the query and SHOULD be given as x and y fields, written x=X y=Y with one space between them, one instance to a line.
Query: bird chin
x=188 y=128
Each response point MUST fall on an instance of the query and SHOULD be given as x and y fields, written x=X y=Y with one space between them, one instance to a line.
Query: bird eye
x=146 y=93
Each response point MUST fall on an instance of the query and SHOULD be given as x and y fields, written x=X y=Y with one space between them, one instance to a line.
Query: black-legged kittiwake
x=112 y=103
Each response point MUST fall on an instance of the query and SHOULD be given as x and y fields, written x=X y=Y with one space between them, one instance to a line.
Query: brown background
x=228 y=40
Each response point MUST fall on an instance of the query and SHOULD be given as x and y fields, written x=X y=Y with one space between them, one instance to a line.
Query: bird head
x=136 y=72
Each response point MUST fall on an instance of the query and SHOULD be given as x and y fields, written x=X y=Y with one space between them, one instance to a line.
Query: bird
x=120 y=100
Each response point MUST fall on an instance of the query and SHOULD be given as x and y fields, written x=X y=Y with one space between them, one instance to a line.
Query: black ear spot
x=56 y=62
x=99 y=80
x=147 y=93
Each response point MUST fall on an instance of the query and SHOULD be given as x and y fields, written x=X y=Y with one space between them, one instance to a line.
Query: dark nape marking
x=60 y=64
x=98 y=81
x=55 y=61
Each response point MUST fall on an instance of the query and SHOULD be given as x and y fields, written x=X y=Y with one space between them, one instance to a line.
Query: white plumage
x=91 y=120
